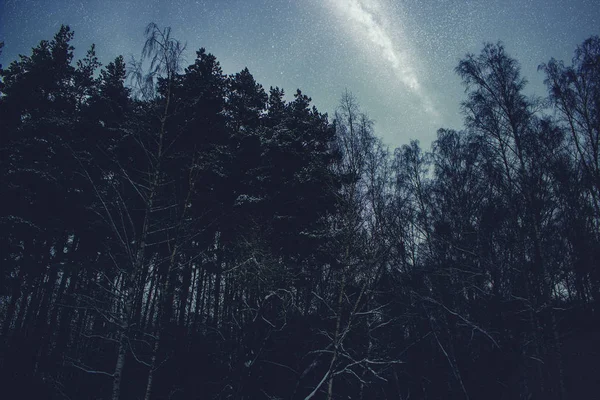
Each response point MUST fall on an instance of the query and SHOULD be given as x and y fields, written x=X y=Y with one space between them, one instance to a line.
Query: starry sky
x=396 y=56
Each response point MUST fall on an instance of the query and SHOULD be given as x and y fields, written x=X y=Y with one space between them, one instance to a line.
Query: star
x=397 y=57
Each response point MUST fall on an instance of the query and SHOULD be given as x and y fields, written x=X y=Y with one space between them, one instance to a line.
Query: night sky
x=397 y=57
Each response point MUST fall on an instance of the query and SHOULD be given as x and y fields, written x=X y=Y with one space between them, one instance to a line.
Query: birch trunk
x=116 y=391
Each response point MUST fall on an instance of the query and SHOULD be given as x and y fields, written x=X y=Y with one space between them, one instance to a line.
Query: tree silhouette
x=191 y=235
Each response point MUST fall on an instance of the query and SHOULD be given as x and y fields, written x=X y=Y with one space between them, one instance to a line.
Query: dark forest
x=173 y=232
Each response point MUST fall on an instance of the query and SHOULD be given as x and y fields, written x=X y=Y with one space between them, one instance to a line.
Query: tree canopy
x=180 y=233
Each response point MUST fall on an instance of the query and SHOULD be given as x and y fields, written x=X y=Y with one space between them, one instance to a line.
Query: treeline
x=172 y=233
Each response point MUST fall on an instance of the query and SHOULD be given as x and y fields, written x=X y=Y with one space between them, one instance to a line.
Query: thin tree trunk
x=163 y=317
x=65 y=321
x=149 y=301
x=338 y=323
x=559 y=358
x=217 y=290
x=183 y=298
x=119 y=366
x=12 y=306
x=150 y=380
x=199 y=299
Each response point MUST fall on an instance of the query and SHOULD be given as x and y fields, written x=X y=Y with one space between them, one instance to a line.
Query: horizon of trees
x=172 y=232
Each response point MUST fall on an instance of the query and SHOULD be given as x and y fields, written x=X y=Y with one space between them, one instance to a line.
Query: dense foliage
x=185 y=234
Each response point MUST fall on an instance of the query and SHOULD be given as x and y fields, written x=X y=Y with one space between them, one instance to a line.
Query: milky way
x=367 y=20
x=396 y=56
